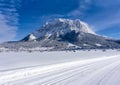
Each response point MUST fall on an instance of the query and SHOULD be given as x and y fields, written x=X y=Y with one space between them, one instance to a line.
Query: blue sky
x=20 y=17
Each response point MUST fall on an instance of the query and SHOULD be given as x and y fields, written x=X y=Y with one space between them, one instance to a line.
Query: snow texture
x=60 y=68
x=61 y=26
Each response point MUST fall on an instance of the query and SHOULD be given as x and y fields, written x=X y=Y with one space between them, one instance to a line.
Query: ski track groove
x=105 y=72
x=98 y=70
x=110 y=73
x=57 y=75
x=49 y=78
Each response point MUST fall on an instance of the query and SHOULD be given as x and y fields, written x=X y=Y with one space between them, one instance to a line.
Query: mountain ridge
x=63 y=34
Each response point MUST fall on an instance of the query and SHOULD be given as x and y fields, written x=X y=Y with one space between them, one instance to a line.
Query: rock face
x=59 y=27
x=64 y=34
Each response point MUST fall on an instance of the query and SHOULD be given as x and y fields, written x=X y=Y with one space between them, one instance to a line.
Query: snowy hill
x=63 y=34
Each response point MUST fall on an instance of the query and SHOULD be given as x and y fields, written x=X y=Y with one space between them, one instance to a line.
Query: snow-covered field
x=60 y=68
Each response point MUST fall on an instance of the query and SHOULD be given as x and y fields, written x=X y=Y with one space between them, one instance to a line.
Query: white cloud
x=6 y=32
x=106 y=21
x=8 y=21
x=107 y=3
x=101 y=20
x=83 y=5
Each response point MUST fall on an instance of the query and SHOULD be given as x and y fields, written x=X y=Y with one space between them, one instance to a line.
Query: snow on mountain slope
x=59 y=34
x=32 y=37
x=85 y=70
x=62 y=26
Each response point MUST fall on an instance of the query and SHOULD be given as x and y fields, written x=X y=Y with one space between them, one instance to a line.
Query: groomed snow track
x=96 y=71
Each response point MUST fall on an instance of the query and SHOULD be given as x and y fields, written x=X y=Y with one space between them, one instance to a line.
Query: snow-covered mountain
x=63 y=34
x=59 y=27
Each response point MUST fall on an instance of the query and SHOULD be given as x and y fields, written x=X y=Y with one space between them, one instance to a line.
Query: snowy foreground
x=60 y=68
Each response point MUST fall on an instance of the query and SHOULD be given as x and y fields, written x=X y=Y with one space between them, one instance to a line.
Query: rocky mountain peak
x=61 y=26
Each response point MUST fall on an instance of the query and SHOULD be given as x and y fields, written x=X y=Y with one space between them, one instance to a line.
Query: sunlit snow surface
x=60 y=68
